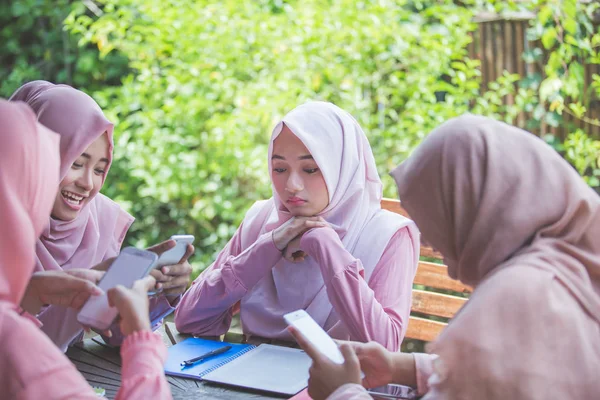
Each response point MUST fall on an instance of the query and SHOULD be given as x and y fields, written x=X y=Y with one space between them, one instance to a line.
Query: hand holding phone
x=331 y=367
x=173 y=269
x=175 y=254
x=131 y=264
x=309 y=328
x=132 y=305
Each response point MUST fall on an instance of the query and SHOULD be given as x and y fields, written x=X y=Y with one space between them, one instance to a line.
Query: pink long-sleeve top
x=377 y=310
x=424 y=369
x=33 y=368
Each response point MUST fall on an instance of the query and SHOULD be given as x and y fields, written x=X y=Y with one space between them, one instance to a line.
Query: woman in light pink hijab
x=322 y=243
x=32 y=367
x=86 y=227
x=514 y=220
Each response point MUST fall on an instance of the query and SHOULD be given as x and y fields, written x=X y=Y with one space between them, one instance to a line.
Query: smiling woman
x=86 y=228
x=83 y=180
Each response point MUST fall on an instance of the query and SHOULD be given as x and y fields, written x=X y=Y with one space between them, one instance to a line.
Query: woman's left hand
x=327 y=376
x=172 y=280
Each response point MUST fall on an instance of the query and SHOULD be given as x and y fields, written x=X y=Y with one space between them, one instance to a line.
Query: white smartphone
x=131 y=264
x=174 y=255
x=315 y=334
x=392 y=391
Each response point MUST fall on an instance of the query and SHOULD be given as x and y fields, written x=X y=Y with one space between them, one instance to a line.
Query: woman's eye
x=77 y=165
x=279 y=170
x=100 y=171
x=311 y=170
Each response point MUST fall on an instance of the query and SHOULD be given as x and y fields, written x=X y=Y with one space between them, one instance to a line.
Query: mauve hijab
x=514 y=220
x=100 y=227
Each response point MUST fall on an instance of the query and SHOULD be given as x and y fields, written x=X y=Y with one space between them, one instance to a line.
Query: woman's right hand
x=381 y=366
x=293 y=228
x=132 y=305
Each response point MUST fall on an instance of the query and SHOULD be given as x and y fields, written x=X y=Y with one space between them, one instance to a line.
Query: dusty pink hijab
x=343 y=154
x=515 y=221
x=28 y=182
x=98 y=231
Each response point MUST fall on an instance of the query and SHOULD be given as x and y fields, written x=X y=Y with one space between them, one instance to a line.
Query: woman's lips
x=296 y=201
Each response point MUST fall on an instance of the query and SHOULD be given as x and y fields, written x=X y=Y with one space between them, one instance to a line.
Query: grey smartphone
x=131 y=264
x=392 y=391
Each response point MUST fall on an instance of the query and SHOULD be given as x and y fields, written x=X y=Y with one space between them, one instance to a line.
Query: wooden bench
x=435 y=294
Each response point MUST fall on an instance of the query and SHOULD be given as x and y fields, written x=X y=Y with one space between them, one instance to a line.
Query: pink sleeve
x=424 y=368
x=377 y=310
x=207 y=307
x=350 y=391
x=32 y=367
x=143 y=355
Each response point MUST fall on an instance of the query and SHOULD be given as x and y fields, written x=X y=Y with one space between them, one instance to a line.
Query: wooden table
x=101 y=366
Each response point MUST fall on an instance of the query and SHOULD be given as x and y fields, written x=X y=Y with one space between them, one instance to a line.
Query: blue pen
x=190 y=362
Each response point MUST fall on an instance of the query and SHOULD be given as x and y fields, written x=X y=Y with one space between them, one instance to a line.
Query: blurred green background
x=195 y=87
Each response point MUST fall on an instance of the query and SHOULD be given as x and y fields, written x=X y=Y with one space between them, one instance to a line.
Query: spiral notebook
x=194 y=347
x=269 y=368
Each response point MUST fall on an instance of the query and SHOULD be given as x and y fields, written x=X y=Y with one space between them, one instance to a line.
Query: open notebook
x=269 y=368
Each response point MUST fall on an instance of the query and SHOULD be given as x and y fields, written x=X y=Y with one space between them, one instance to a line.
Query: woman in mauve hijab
x=322 y=243
x=515 y=221
x=86 y=227
x=32 y=367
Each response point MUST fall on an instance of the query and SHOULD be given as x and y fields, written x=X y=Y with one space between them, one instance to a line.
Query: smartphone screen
x=132 y=264
x=392 y=391
x=315 y=334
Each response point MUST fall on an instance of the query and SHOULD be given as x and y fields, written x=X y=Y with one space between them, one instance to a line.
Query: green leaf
x=549 y=37
x=550 y=87
x=577 y=71
x=570 y=26
x=545 y=14
x=578 y=109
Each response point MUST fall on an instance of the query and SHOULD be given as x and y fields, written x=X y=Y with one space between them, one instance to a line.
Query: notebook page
x=270 y=368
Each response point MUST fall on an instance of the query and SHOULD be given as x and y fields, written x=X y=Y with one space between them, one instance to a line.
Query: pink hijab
x=342 y=152
x=98 y=231
x=515 y=221
x=28 y=182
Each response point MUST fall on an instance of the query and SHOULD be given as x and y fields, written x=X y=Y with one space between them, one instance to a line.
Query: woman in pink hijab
x=322 y=243
x=86 y=227
x=515 y=221
x=32 y=367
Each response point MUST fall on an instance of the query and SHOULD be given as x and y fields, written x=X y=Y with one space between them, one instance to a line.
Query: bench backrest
x=435 y=294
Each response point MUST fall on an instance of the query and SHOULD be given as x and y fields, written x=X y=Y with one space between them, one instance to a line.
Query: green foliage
x=35 y=46
x=211 y=79
x=195 y=87
x=568 y=36
x=563 y=41
x=584 y=153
